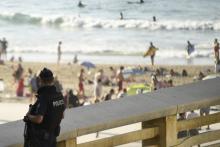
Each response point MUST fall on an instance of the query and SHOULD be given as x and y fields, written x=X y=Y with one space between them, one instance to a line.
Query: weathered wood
x=123 y=138
x=67 y=143
x=154 y=142
x=143 y=107
x=168 y=131
x=214 y=145
x=199 y=139
x=198 y=121
x=150 y=124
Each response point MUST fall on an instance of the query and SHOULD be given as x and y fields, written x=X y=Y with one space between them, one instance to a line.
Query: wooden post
x=67 y=143
x=168 y=131
x=152 y=142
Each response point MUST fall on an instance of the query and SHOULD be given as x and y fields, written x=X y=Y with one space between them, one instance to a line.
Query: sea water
x=95 y=32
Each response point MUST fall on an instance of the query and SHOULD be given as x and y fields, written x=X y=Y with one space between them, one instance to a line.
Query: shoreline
x=111 y=59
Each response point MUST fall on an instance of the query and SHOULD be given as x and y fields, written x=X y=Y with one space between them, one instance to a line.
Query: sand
x=68 y=76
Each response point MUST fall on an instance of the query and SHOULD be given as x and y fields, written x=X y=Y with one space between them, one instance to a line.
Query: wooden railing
x=157 y=112
x=159 y=132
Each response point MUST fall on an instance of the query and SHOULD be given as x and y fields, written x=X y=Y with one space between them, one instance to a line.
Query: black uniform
x=49 y=104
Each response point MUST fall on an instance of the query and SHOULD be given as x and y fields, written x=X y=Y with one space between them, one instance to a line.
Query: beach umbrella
x=88 y=64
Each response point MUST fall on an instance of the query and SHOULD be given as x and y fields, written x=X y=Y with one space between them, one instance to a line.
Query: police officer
x=47 y=112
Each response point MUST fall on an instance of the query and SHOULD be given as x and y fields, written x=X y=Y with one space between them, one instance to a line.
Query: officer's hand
x=26 y=119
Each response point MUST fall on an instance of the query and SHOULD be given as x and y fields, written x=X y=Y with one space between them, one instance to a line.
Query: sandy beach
x=68 y=75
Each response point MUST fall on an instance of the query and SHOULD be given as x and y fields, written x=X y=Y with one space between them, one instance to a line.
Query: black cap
x=46 y=74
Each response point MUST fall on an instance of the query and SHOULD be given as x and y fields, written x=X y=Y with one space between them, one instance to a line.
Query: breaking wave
x=162 y=53
x=88 y=22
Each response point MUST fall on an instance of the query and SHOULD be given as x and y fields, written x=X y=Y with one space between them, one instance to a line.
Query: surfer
x=189 y=48
x=140 y=2
x=80 y=4
x=122 y=17
x=154 y=19
x=151 y=52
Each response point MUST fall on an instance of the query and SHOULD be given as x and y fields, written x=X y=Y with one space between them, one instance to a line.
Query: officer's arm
x=41 y=110
x=35 y=118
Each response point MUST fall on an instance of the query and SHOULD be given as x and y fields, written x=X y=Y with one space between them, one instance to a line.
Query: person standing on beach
x=81 y=80
x=46 y=114
x=1 y=50
x=59 y=52
x=75 y=59
x=4 y=43
x=216 y=50
x=120 y=78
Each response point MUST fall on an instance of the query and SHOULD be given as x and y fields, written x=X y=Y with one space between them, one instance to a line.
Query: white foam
x=89 y=22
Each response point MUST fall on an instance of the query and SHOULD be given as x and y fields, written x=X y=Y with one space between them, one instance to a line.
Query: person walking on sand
x=59 y=52
x=216 y=50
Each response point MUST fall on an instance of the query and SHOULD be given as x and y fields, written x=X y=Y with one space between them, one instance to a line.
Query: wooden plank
x=67 y=143
x=213 y=145
x=199 y=139
x=168 y=131
x=198 y=121
x=147 y=142
x=154 y=142
x=123 y=138
x=143 y=107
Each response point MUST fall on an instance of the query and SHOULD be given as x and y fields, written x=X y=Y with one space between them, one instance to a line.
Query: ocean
x=95 y=32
